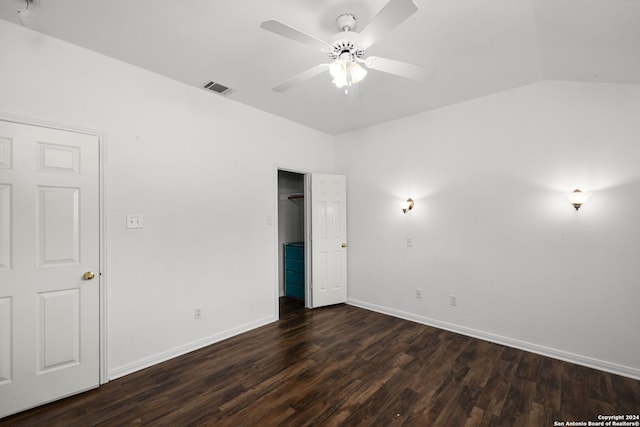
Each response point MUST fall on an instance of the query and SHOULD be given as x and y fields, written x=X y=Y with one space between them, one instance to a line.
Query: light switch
x=134 y=221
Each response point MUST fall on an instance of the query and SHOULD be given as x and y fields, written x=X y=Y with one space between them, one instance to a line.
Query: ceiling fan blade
x=292 y=33
x=394 y=13
x=305 y=75
x=399 y=68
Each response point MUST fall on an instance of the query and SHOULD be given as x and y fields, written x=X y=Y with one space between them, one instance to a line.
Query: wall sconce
x=407 y=206
x=577 y=198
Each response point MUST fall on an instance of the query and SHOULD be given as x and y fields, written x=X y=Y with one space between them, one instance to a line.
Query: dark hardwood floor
x=344 y=366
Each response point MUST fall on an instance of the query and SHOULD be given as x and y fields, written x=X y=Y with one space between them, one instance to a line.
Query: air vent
x=217 y=88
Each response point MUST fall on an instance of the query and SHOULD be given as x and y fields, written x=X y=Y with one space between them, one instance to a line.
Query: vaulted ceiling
x=473 y=48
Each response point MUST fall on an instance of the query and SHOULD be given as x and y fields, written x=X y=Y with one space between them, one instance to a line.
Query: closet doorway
x=293 y=266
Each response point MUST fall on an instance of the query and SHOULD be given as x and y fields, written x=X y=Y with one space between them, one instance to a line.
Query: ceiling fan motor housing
x=345 y=41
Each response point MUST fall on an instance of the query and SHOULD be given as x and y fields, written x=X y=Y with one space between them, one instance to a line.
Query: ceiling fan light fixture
x=357 y=72
x=345 y=71
x=337 y=69
x=340 y=82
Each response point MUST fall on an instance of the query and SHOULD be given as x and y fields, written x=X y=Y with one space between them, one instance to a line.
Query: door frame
x=307 y=235
x=102 y=276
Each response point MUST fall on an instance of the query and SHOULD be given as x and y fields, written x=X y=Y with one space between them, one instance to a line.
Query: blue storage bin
x=294 y=270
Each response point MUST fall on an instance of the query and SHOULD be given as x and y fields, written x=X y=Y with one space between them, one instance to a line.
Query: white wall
x=491 y=224
x=200 y=168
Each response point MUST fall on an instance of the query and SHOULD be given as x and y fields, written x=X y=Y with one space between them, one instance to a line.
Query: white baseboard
x=509 y=342
x=186 y=348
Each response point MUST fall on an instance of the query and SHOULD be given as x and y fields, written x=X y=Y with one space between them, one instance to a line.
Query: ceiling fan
x=347 y=48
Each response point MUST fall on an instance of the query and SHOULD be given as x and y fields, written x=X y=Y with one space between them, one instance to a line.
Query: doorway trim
x=307 y=235
x=102 y=276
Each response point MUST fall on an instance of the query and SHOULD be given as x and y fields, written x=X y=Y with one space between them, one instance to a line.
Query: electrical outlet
x=409 y=242
x=419 y=293
x=134 y=221
x=453 y=300
x=197 y=313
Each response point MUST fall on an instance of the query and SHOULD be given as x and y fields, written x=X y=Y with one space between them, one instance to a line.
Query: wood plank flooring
x=344 y=366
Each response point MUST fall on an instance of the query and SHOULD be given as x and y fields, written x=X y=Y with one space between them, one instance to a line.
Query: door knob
x=344 y=245
x=89 y=275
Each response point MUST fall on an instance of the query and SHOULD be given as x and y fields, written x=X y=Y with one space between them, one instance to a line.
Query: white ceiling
x=475 y=48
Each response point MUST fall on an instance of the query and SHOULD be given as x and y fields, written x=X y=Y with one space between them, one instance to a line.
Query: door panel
x=49 y=236
x=58 y=158
x=58 y=225
x=328 y=239
x=58 y=329
x=5 y=340
x=5 y=226
x=5 y=153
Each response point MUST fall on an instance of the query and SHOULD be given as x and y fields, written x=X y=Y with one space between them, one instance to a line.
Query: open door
x=328 y=239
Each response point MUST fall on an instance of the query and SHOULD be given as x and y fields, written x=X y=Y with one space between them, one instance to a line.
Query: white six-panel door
x=328 y=239
x=49 y=239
